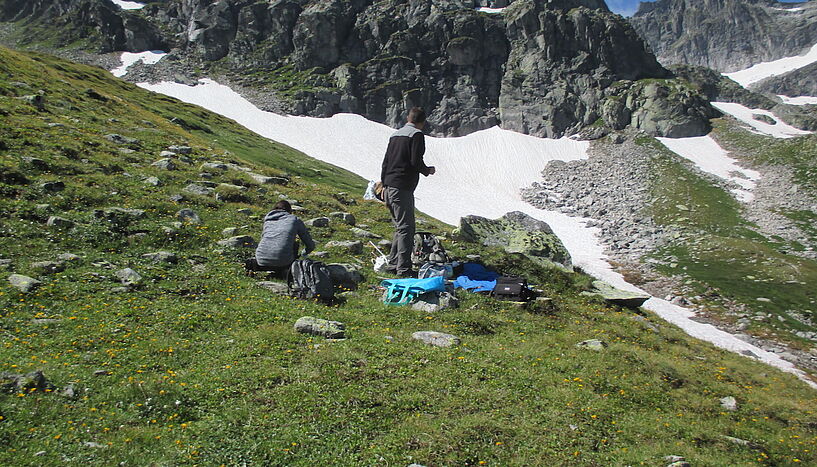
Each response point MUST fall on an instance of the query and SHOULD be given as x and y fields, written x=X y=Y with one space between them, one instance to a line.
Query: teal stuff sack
x=402 y=291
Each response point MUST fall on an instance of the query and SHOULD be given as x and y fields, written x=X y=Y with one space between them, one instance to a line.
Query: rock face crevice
x=545 y=68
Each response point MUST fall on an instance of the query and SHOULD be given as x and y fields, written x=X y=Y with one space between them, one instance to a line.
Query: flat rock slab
x=280 y=288
x=618 y=296
x=23 y=283
x=320 y=327
x=592 y=344
x=354 y=247
x=437 y=339
x=240 y=241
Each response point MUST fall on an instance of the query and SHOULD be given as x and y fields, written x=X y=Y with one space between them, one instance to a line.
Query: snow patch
x=711 y=158
x=788 y=9
x=481 y=173
x=799 y=100
x=744 y=114
x=129 y=58
x=765 y=70
x=485 y=9
x=125 y=5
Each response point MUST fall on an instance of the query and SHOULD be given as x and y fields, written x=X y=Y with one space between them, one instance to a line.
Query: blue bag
x=403 y=291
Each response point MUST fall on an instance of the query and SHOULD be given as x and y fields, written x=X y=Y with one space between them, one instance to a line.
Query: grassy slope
x=203 y=366
x=721 y=255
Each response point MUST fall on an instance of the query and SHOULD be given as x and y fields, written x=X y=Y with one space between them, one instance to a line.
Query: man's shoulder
x=408 y=131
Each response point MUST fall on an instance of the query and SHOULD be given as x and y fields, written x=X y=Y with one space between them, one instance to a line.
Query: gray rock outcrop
x=320 y=327
x=23 y=283
x=516 y=232
x=437 y=339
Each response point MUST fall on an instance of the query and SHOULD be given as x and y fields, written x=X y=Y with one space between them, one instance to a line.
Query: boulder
x=266 y=180
x=161 y=257
x=128 y=277
x=516 y=232
x=320 y=327
x=214 y=166
x=188 y=216
x=347 y=276
x=23 y=283
x=152 y=181
x=353 y=247
x=616 y=296
x=198 y=189
x=435 y=301
x=364 y=233
x=30 y=382
x=318 y=222
x=239 y=241
x=345 y=217
x=437 y=339
x=592 y=344
x=280 y=288
x=165 y=164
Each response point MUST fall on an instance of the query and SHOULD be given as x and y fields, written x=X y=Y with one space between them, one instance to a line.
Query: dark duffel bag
x=514 y=289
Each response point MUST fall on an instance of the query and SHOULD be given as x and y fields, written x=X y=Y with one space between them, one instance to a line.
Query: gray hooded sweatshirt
x=276 y=248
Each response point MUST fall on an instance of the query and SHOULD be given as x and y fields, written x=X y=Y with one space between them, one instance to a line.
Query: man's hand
x=432 y=170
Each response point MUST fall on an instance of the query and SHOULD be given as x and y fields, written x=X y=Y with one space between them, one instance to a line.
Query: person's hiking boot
x=409 y=274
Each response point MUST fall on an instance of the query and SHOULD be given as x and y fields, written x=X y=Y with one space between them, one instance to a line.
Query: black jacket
x=403 y=162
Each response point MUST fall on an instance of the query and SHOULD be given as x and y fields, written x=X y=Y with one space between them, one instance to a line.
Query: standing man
x=400 y=174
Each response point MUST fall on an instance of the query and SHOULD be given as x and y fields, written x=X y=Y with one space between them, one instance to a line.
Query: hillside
x=197 y=364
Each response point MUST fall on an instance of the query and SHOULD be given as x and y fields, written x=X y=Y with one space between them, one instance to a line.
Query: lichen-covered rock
x=34 y=381
x=516 y=232
x=239 y=241
x=616 y=296
x=354 y=247
x=188 y=216
x=128 y=277
x=320 y=327
x=23 y=283
x=592 y=344
x=345 y=275
x=437 y=339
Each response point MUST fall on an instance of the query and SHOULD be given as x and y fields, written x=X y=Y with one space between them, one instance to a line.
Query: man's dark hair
x=283 y=206
x=416 y=115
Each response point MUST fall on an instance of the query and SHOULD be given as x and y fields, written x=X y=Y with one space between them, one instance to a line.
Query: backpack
x=434 y=269
x=310 y=279
x=428 y=249
x=514 y=289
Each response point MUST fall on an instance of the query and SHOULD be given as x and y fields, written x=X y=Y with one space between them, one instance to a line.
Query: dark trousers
x=401 y=206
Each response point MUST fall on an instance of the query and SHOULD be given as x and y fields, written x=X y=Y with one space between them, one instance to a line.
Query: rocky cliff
x=545 y=68
x=726 y=35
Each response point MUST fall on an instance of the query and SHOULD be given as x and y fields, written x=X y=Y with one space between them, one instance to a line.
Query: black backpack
x=310 y=279
x=514 y=289
x=428 y=249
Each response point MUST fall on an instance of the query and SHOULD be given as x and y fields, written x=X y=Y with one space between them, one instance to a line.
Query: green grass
x=199 y=366
x=722 y=254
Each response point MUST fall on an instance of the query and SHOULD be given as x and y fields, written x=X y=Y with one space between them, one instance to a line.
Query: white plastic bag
x=381 y=264
x=369 y=194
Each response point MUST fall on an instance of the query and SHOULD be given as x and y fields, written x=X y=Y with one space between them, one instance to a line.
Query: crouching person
x=278 y=247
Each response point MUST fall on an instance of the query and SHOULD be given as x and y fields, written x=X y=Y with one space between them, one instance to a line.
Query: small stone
x=178 y=198
x=48 y=267
x=5 y=264
x=152 y=181
x=674 y=458
x=165 y=164
x=229 y=231
x=319 y=254
x=167 y=154
x=69 y=391
x=119 y=139
x=318 y=222
x=40 y=453
x=91 y=444
x=437 y=339
x=102 y=373
x=265 y=180
x=729 y=403
x=473 y=257
x=320 y=327
x=681 y=207
x=188 y=216
x=162 y=257
x=59 y=223
x=345 y=217
x=280 y=288
x=128 y=277
x=240 y=241
x=180 y=149
x=245 y=211
x=210 y=166
x=592 y=344
x=23 y=283
x=354 y=247
x=679 y=464
x=357 y=232
x=763 y=299
x=52 y=187
x=738 y=441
